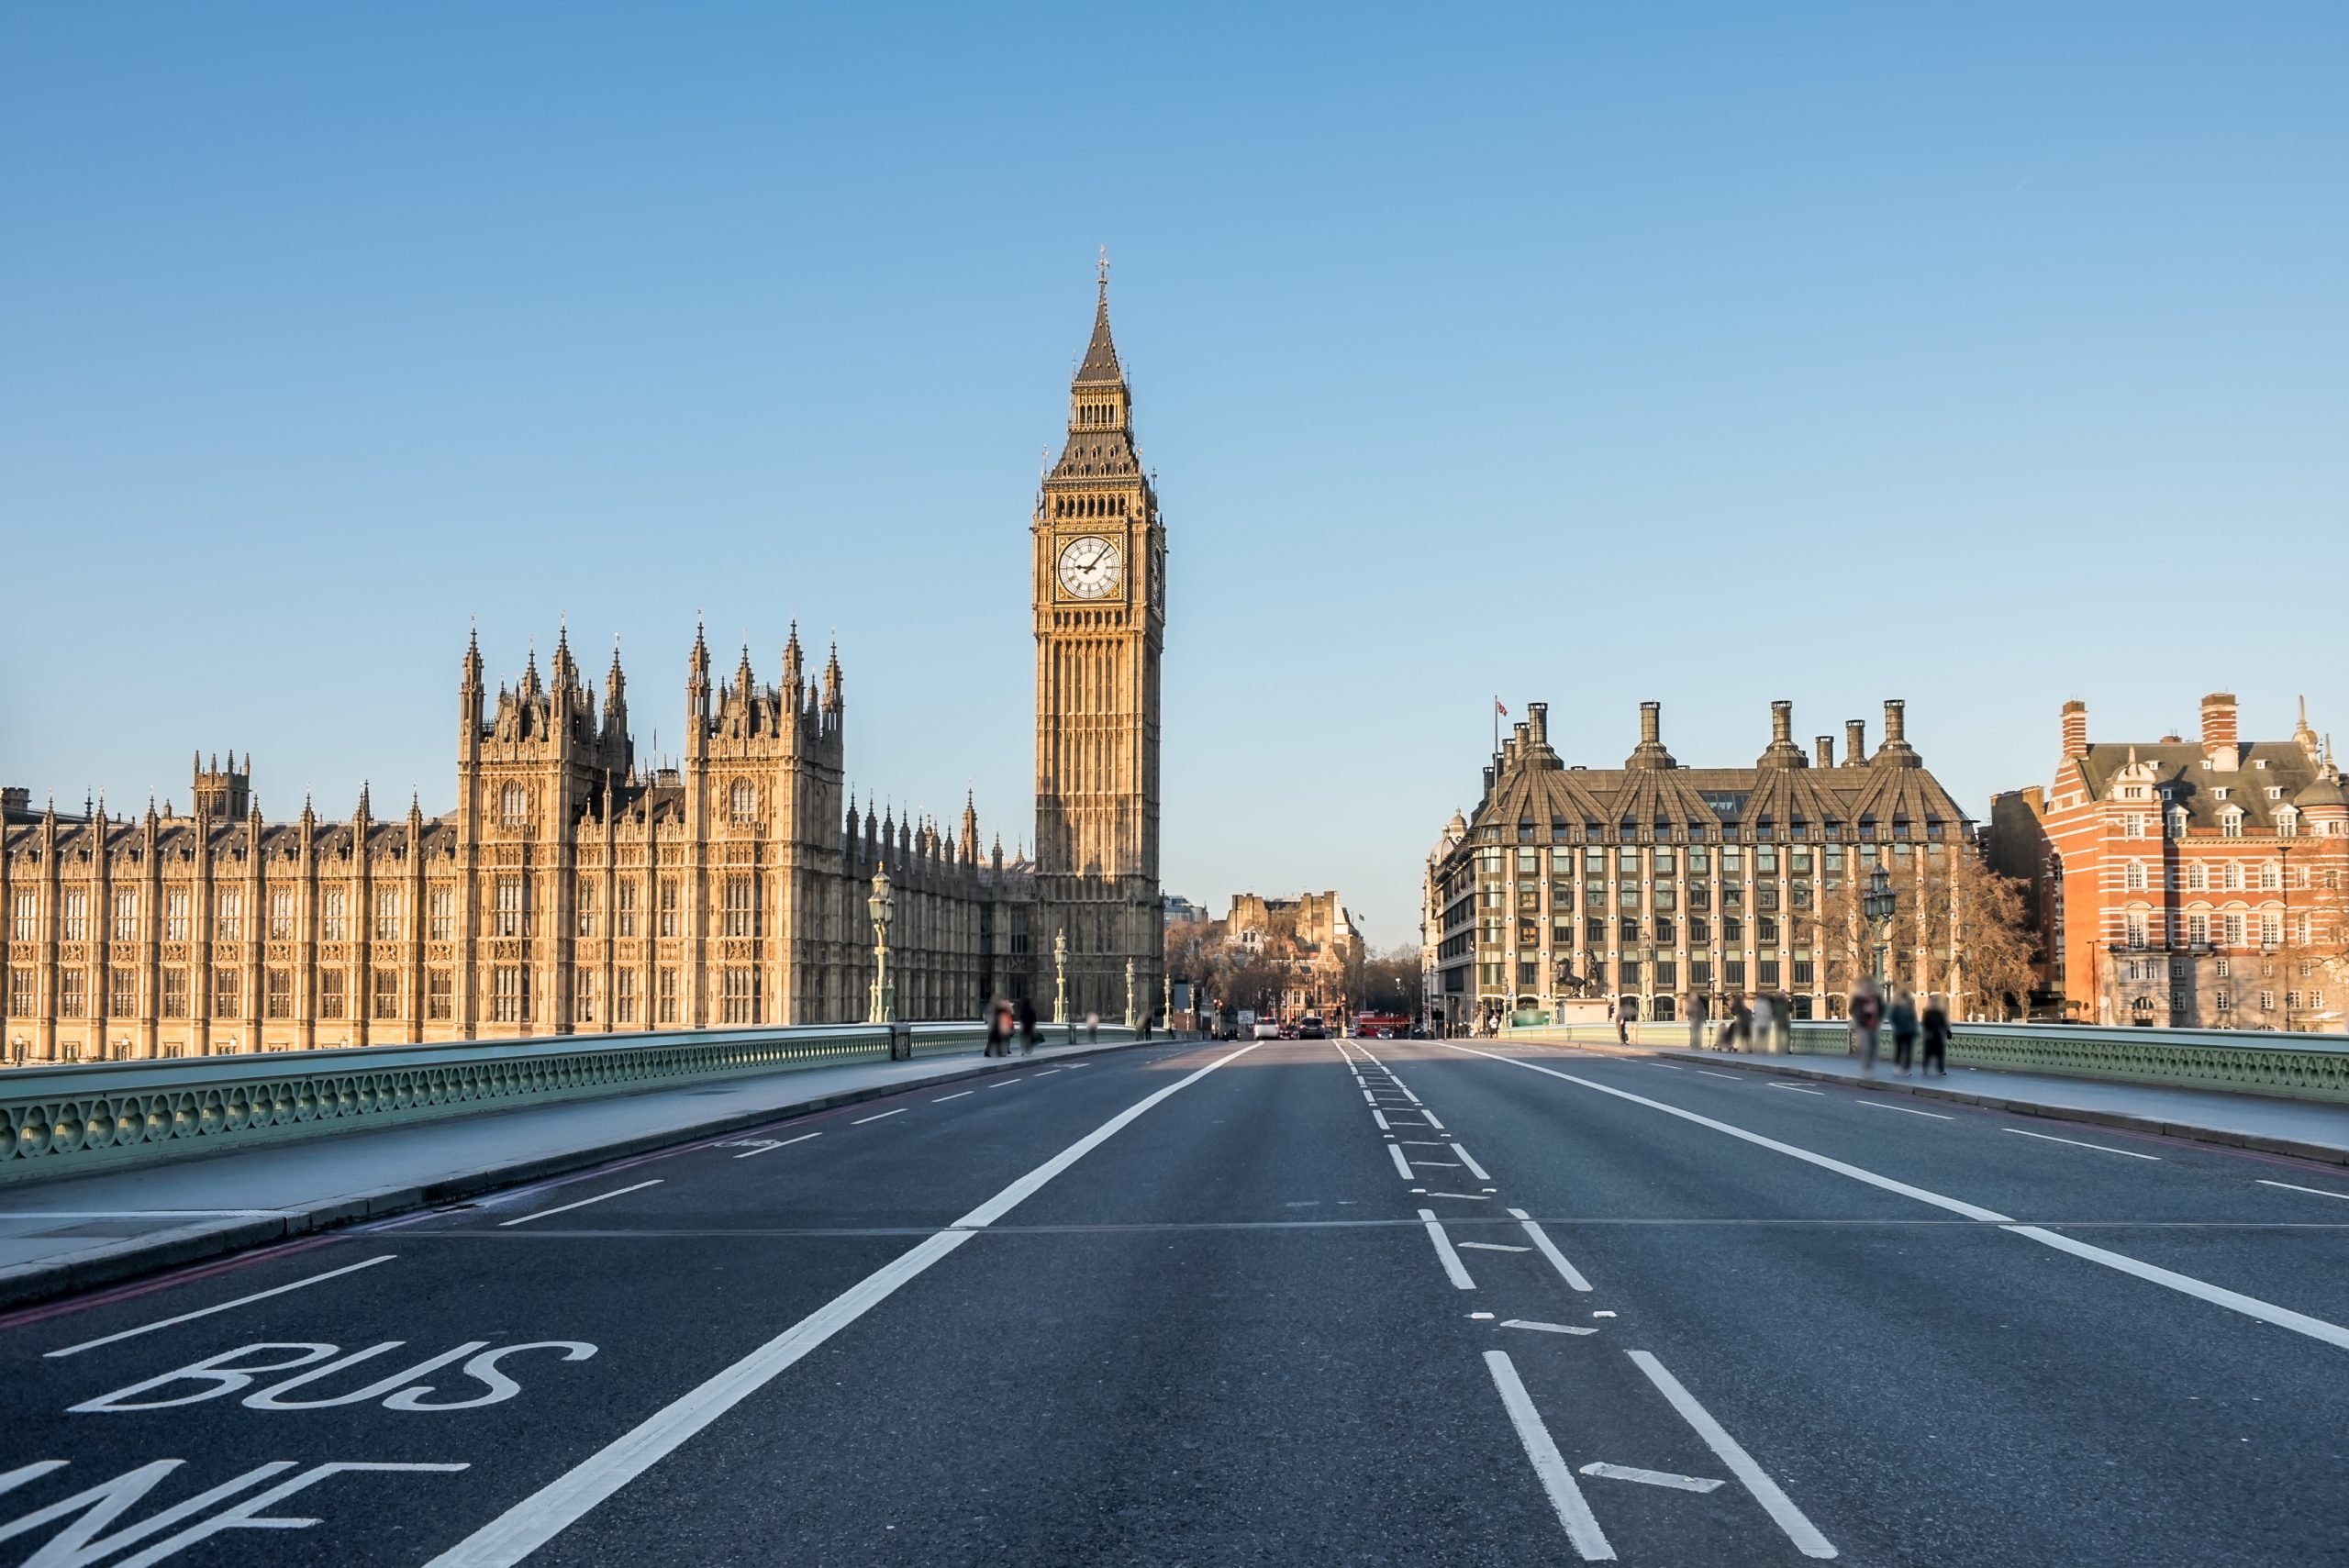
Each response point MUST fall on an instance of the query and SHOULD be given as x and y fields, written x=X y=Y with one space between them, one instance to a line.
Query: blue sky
x=1983 y=356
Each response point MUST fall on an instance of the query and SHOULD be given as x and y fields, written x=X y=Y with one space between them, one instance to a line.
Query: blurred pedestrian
x=1697 y=1015
x=1000 y=1028
x=1024 y=1013
x=1936 y=1022
x=1903 y=1019
x=1759 y=1037
x=1625 y=1011
x=1868 y=1012
x=1741 y=1024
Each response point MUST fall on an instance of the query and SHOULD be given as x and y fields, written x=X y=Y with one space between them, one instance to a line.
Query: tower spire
x=1100 y=367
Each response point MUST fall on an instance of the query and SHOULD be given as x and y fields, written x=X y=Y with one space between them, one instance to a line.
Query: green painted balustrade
x=61 y=1119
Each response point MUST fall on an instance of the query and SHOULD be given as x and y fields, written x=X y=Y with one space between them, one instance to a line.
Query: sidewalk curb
x=114 y=1262
x=2322 y=1153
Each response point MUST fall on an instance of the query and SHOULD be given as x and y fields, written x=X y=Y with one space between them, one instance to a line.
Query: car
x=1265 y=1029
x=1310 y=1027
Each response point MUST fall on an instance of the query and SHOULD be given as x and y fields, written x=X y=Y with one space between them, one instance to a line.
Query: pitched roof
x=2181 y=776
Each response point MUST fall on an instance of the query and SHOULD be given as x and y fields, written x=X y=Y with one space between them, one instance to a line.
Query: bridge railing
x=66 y=1118
x=2249 y=1061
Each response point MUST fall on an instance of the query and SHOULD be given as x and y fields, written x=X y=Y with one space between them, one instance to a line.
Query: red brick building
x=2192 y=883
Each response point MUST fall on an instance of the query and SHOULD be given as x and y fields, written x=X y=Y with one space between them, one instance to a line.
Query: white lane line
x=860 y=1121
x=1650 y=1477
x=209 y=1311
x=2289 y=1187
x=1904 y=1110
x=563 y=1502
x=2249 y=1306
x=1780 y=1508
x=1430 y=1115
x=1566 y=1270
x=1402 y=1166
x=1466 y=1197
x=1790 y=1089
x=1003 y=1083
x=1470 y=1161
x=1734 y=1077
x=583 y=1203
x=2099 y=1148
x=784 y=1144
x=1371 y=1098
x=1424 y=1143
x=1565 y=1497
x=1439 y=1164
x=1495 y=1247
x=943 y=1098
x=1545 y=1328
x=1380 y=1117
x=1046 y=1072
x=1453 y=1268
x=1667 y=1066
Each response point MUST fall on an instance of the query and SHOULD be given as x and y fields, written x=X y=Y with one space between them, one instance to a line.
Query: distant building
x=1653 y=884
x=1324 y=946
x=1178 y=910
x=2190 y=884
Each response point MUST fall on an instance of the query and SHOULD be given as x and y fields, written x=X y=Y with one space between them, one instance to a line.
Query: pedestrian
x=1024 y=1013
x=1758 y=1036
x=998 y=1029
x=1741 y=1024
x=1696 y=1016
x=1867 y=1011
x=1625 y=1011
x=1903 y=1019
x=1936 y=1023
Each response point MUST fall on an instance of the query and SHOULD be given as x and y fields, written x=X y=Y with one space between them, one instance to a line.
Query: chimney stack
x=1782 y=723
x=1855 y=742
x=1827 y=750
x=2075 y=729
x=1537 y=722
x=1651 y=724
x=2218 y=730
x=1894 y=725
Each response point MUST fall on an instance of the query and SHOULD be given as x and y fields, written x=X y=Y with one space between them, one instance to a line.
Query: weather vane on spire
x=1105 y=269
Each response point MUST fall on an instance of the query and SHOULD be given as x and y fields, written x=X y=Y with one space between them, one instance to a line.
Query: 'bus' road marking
x=1453 y=1268
x=209 y=1311
x=860 y=1121
x=563 y=1502
x=1566 y=1270
x=1904 y=1110
x=2289 y=1187
x=1650 y=1477
x=2185 y=1284
x=583 y=1203
x=1780 y=1508
x=1541 y=1327
x=784 y=1144
x=2102 y=1148
x=1402 y=1166
x=1470 y=1161
x=1565 y=1498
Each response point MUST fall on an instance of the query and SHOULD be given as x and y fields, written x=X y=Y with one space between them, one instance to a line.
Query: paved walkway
x=86 y=1231
x=2308 y=1129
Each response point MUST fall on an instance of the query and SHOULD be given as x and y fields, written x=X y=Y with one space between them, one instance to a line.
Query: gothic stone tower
x=1100 y=599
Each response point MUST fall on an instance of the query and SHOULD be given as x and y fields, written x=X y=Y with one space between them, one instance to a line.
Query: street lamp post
x=882 y=906
x=1060 y=977
x=1877 y=903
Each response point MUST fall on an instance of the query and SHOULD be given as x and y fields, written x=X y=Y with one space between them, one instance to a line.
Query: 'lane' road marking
x=784 y=1144
x=1781 y=1508
x=1453 y=1268
x=563 y=1502
x=1566 y=1270
x=1572 y=1509
x=583 y=1203
x=860 y=1121
x=209 y=1311
x=1904 y=1110
x=2102 y=1148
x=2289 y=1187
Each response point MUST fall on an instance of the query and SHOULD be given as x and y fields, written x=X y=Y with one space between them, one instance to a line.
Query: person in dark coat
x=1024 y=1011
x=1868 y=1012
x=998 y=1029
x=1936 y=1025
x=1903 y=1019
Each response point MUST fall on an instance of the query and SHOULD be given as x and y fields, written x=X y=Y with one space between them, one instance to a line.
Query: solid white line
x=2102 y=1148
x=1380 y=1117
x=1496 y=1247
x=2289 y=1187
x=784 y=1144
x=860 y=1121
x=943 y=1098
x=1402 y=1166
x=1545 y=1328
x=1781 y=1508
x=1738 y=1077
x=209 y=1311
x=1650 y=1477
x=1790 y=1089
x=2250 y=1306
x=1572 y=1274
x=546 y=1513
x=583 y=1203
x=1904 y=1110
x=1565 y=1497
x=1470 y=1161
x=1452 y=1267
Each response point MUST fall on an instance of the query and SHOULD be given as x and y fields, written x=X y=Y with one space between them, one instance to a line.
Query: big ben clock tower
x=1100 y=598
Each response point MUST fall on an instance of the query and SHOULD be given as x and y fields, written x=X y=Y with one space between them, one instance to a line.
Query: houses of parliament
x=576 y=888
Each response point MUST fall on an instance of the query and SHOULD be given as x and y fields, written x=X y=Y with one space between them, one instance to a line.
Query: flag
x=1500 y=707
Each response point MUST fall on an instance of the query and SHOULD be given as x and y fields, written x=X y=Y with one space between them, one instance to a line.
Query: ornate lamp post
x=1060 y=977
x=1877 y=905
x=1167 y=998
x=1133 y=998
x=880 y=906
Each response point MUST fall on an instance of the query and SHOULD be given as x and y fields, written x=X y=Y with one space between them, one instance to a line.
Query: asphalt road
x=1303 y=1303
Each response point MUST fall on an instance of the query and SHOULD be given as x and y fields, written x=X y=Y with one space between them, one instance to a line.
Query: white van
x=1265 y=1028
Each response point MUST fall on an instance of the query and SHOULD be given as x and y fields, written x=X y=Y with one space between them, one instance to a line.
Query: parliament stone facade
x=574 y=888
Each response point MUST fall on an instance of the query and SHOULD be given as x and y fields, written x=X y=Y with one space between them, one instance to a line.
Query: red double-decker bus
x=1382 y=1026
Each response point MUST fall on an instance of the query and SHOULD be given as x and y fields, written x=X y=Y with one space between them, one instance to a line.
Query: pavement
x=1311 y=1303
x=82 y=1232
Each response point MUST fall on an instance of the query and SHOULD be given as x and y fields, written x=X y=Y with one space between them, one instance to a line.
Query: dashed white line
x=1781 y=1508
x=785 y=1143
x=1790 y=1089
x=1402 y=1166
x=1466 y=1197
x=1733 y=1078
x=1566 y=1270
x=1904 y=1110
x=1453 y=1268
x=1667 y=1066
x=1565 y=1497
x=209 y=1311
x=2099 y=1148
x=1430 y=1115
x=943 y=1098
x=1545 y=1328
x=860 y=1121
x=1380 y=1117
x=1495 y=1247
x=1470 y=1161
x=2289 y=1187
x=583 y=1203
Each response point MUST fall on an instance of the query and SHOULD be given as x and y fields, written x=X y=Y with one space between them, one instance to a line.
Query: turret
x=1782 y=751
x=1896 y=749
x=1650 y=752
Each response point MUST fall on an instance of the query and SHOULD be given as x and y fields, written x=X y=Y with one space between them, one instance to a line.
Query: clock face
x=1090 y=567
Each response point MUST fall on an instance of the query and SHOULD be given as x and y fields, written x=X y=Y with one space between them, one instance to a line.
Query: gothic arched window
x=514 y=806
x=744 y=804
